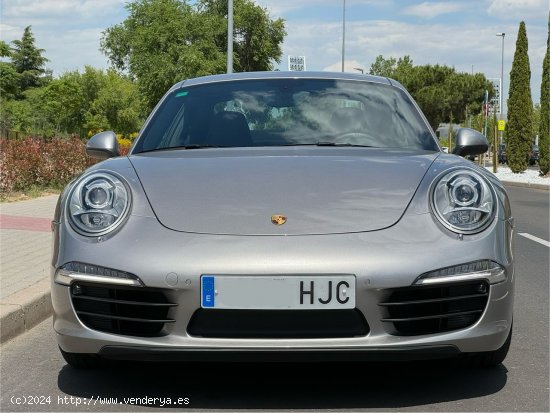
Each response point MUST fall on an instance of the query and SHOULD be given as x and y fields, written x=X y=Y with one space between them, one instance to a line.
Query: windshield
x=281 y=112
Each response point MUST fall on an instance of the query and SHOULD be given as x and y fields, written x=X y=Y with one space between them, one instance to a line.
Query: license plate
x=278 y=292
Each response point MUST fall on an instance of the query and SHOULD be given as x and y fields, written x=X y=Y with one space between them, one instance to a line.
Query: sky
x=457 y=33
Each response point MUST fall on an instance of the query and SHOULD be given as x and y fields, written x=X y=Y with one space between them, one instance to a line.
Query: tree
x=14 y=115
x=257 y=38
x=439 y=90
x=117 y=106
x=536 y=119
x=9 y=78
x=77 y=103
x=520 y=106
x=383 y=67
x=160 y=43
x=28 y=61
x=164 y=41
x=4 y=49
x=544 y=126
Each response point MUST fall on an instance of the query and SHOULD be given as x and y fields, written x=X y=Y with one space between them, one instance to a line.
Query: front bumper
x=381 y=261
x=145 y=353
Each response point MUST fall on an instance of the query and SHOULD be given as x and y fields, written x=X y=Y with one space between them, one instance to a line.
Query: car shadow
x=282 y=385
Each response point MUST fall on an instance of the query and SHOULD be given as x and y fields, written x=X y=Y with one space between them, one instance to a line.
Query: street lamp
x=360 y=70
x=230 y=36
x=501 y=73
x=343 y=32
x=501 y=80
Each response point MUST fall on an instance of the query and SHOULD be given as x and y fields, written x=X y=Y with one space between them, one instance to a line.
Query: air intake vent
x=429 y=310
x=277 y=323
x=138 y=311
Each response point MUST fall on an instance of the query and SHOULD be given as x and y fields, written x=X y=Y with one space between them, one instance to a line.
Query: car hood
x=236 y=191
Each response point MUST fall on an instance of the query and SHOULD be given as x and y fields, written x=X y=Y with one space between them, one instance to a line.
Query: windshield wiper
x=193 y=146
x=327 y=144
x=342 y=144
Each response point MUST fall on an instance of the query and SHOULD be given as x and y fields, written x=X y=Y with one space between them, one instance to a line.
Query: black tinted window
x=276 y=112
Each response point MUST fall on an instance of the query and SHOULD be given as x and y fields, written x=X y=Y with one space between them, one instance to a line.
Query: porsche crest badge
x=278 y=219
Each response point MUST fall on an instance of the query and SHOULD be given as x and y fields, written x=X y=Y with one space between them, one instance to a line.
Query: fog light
x=77 y=290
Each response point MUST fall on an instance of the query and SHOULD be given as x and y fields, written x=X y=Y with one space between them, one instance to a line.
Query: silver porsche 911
x=284 y=216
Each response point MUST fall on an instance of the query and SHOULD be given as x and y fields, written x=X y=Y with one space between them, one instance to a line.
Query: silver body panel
x=382 y=259
x=373 y=222
x=321 y=190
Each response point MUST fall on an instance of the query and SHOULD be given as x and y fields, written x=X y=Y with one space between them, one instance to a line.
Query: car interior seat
x=228 y=129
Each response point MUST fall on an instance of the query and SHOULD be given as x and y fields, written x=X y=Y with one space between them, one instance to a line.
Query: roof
x=287 y=75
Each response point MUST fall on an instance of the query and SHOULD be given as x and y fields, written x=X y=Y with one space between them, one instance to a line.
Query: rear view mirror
x=103 y=145
x=469 y=142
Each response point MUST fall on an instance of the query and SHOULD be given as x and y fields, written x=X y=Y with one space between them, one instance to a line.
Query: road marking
x=536 y=239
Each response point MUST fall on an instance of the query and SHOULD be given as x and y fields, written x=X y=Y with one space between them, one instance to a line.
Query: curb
x=527 y=185
x=24 y=309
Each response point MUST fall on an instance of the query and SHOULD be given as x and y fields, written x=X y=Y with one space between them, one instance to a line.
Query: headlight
x=98 y=203
x=463 y=201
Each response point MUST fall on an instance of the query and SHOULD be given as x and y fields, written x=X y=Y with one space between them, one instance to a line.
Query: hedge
x=35 y=162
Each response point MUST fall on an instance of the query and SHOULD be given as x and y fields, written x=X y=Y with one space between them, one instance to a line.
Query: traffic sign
x=501 y=125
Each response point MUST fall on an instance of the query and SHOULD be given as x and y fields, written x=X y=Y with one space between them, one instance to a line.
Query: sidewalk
x=25 y=252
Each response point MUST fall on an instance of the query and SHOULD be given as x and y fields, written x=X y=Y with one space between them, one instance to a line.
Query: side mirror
x=103 y=145
x=469 y=142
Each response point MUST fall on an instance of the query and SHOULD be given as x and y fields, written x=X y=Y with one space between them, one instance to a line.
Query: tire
x=489 y=358
x=81 y=361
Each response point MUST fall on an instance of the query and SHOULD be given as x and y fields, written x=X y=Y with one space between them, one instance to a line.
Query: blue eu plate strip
x=207 y=291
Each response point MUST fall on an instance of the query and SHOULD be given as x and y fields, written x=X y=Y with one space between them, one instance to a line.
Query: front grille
x=277 y=323
x=435 y=309
x=136 y=311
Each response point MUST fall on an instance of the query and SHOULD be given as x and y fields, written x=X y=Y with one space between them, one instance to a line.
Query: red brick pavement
x=25 y=223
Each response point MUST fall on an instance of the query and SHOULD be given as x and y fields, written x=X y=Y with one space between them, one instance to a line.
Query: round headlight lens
x=98 y=203
x=463 y=201
x=465 y=191
x=99 y=194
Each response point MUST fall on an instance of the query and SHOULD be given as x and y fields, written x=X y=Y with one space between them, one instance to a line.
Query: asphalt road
x=31 y=365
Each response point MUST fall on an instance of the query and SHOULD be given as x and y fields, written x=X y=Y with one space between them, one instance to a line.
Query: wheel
x=80 y=360
x=489 y=358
